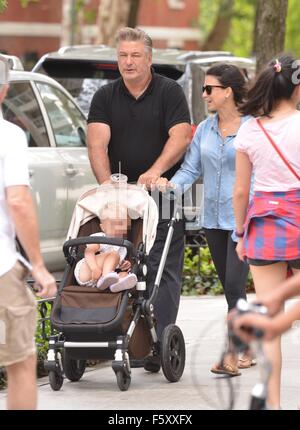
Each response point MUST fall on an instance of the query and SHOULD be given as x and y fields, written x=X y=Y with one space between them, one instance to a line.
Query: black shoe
x=152 y=363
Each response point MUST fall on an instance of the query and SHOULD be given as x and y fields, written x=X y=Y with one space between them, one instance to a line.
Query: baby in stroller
x=101 y=262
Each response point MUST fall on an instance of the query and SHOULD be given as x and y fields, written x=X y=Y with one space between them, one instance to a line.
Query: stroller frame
x=171 y=347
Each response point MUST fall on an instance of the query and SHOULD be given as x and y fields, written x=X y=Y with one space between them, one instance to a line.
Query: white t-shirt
x=13 y=171
x=270 y=172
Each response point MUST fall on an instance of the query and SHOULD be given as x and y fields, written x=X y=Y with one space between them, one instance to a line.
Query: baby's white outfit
x=102 y=248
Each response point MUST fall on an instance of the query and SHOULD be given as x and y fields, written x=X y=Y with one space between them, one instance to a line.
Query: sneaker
x=125 y=283
x=152 y=363
x=107 y=280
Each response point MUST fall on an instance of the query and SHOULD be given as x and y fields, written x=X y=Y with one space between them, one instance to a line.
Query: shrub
x=199 y=273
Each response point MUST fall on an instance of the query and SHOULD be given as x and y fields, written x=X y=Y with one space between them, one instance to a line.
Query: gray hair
x=134 y=35
x=4 y=70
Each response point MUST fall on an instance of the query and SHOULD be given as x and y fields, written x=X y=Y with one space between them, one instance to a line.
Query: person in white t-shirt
x=17 y=302
x=98 y=267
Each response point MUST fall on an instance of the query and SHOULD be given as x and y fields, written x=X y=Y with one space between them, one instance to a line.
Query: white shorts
x=90 y=283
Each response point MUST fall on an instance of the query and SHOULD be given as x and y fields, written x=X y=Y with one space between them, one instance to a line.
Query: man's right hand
x=149 y=178
x=107 y=181
x=45 y=283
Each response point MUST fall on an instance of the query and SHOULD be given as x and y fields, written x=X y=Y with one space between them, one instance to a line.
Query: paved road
x=202 y=322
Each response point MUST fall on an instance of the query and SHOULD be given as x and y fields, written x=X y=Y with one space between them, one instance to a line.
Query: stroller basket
x=87 y=311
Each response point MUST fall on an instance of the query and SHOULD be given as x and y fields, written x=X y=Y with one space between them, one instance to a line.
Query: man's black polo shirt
x=139 y=128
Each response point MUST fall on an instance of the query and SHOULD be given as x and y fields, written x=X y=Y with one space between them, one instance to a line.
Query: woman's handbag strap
x=277 y=149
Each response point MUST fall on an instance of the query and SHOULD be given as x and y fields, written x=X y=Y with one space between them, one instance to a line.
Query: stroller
x=89 y=324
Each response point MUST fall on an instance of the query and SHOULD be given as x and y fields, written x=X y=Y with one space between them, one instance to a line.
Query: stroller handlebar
x=84 y=240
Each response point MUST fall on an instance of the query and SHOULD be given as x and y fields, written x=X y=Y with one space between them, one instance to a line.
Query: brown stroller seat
x=95 y=324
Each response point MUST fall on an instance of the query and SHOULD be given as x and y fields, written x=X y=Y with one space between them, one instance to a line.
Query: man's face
x=134 y=61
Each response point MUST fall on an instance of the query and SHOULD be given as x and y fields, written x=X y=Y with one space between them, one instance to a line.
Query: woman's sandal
x=225 y=369
x=246 y=362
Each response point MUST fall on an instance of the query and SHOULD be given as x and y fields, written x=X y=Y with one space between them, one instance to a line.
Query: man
x=17 y=303
x=142 y=120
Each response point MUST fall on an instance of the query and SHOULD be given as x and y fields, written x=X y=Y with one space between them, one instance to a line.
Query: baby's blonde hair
x=114 y=210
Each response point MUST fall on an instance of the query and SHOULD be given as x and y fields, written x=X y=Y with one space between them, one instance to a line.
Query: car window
x=67 y=121
x=21 y=107
x=83 y=78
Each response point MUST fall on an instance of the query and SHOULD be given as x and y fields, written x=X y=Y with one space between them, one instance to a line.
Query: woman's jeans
x=232 y=272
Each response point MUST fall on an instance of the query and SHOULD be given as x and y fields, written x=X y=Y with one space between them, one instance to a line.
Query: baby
x=97 y=268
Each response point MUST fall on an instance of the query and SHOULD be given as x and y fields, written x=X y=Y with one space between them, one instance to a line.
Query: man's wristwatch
x=238 y=234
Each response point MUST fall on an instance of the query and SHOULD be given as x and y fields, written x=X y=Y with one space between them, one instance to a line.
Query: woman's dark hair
x=230 y=76
x=274 y=83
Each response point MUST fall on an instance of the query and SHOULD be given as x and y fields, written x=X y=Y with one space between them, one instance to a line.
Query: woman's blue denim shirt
x=211 y=158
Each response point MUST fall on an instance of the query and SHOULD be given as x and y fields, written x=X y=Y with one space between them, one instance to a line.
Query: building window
x=176 y=4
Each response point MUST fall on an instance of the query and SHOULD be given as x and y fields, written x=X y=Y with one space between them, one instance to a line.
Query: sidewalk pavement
x=202 y=322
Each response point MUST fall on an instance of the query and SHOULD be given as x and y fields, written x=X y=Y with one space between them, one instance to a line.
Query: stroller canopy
x=139 y=203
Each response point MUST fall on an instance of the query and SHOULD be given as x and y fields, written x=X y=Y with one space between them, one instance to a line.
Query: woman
x=269 y=234
x=211 y=156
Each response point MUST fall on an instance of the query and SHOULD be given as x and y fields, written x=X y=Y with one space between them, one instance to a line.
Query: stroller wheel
x=73 y=369
x=172 y=353
x=56 y=380
x=123 y=380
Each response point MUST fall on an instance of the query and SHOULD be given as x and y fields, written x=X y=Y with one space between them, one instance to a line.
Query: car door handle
x=31 y=173
x=70 y=171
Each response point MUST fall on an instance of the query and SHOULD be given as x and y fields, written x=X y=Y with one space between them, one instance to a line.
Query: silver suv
x=58 y=161
x=83 y=69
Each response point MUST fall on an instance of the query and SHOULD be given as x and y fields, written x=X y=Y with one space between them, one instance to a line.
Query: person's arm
x=175 y=147
x=275 y=300
x=271 y=327
x=23 y=214
x=190 y=169
x=241 y=193
x=98 y=137
x=176 y=120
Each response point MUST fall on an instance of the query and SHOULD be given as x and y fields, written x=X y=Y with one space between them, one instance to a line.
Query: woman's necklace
x=232 y=126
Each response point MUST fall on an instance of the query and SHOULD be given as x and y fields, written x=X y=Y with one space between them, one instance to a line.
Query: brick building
x=37 y=29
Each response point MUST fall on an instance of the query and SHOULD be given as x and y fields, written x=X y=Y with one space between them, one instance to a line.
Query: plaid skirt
x=272 y=227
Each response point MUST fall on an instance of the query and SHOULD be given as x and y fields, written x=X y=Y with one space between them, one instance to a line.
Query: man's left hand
x=149 y=178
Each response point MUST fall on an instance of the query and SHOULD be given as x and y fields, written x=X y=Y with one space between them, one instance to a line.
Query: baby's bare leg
x=86 y=273
x=111 y=261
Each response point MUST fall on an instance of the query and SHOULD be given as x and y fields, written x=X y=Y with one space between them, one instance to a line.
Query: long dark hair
x=273 y=84
x=230 y=76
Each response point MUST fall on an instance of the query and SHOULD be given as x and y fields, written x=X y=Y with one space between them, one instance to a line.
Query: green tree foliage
x=292 y=38
x=25 y=3
x=240 y=39
x=3 y=5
